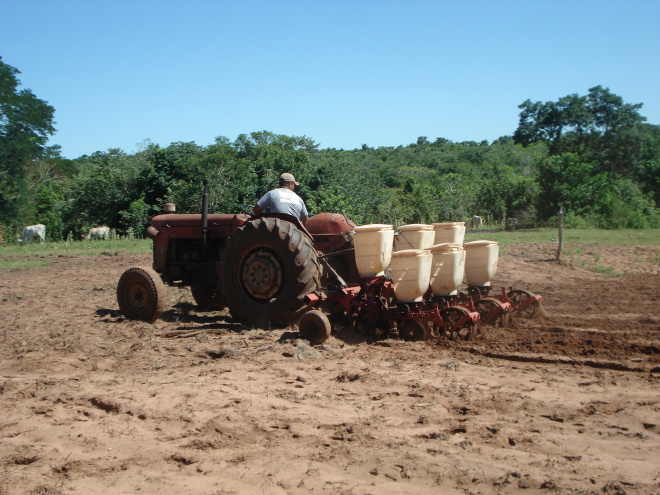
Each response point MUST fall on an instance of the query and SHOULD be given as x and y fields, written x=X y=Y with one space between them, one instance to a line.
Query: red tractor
x=259 y=266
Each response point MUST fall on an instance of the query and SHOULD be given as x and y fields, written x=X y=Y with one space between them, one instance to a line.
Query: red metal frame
x=373 y=304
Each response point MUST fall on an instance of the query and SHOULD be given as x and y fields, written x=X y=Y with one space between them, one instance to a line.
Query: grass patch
x=13 y=256
x=13 y=263
x=580 y=245
x=655 y=259
x=604 y=269
x=625 y=237
x=78 y=248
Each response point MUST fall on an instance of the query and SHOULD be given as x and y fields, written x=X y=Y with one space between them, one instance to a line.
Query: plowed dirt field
x=565 y=402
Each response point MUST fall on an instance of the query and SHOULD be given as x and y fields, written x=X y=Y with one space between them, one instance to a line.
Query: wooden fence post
x=561 y=233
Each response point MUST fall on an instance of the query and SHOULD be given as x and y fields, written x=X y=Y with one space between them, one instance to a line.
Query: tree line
x=594 y=155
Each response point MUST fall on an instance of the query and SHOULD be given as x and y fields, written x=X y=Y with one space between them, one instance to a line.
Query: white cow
x=475 y=222
x=98 y=233
x=32 y=232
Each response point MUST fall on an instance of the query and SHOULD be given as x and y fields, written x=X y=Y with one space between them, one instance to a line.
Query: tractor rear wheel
x=267 y=268
x=141 y=294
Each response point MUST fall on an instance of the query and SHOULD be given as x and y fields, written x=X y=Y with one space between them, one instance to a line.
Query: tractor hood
x=195 y=220
x=189 y=225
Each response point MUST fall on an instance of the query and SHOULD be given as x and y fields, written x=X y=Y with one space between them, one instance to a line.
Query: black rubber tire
x=141 y=294
x=208 y=299
x=315 y=327
x=267 y=268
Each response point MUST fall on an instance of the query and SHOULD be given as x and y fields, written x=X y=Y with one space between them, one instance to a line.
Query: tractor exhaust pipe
x=205 y=213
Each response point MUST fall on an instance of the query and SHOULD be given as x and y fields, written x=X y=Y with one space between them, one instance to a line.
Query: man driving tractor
x=283 y=199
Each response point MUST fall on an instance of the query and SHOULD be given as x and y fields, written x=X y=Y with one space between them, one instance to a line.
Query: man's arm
x=303 y=220
x=262 y=204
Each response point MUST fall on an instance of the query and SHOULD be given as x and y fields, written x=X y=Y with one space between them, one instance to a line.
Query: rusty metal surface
x=188 y=226
x=329 y=223
x=331 y=231
x=194 y=220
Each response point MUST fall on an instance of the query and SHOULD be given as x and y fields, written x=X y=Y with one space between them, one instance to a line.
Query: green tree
x=567 y=181
x=25 y=124
x=108 y=187
x=169 y=167
x=329 y=199
x=617 y=140
x=599 y=198
x=48 y=201
x=649 y=175
x=599 y=126
x=457 y=195
x=270 y=154
x=228 y=177
x=136 y=218
x=505 y=194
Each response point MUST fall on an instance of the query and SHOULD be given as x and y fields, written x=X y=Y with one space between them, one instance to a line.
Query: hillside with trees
x=594 y=155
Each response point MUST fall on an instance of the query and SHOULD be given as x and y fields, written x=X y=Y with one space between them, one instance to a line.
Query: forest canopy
x=594 y=155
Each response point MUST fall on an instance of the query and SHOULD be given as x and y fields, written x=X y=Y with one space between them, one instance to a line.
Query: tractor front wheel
x=141 y=294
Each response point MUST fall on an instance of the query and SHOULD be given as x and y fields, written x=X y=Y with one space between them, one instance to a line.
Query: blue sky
x=344 y=73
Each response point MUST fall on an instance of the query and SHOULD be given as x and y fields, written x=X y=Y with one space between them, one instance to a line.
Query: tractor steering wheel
x=247 y=209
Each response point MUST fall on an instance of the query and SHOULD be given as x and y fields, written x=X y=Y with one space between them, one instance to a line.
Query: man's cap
x=287 y=177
